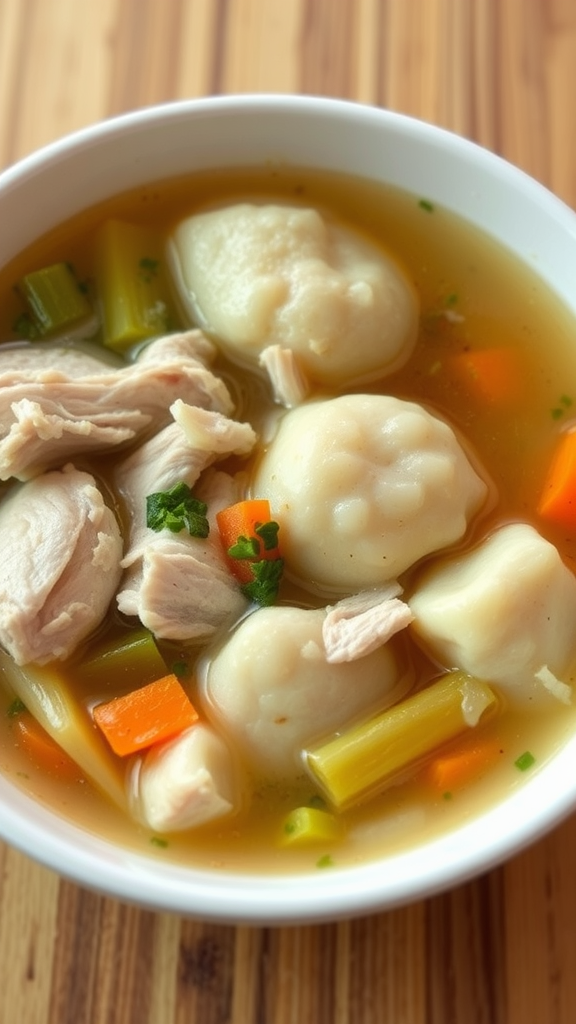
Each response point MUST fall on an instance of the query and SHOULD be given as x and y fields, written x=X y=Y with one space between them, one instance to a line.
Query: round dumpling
x=504 y=612
x=363 y=486
x=256 y=276
x=271 y=689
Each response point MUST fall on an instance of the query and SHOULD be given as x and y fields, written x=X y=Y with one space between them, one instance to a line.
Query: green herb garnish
x=176 y=510
x=317 y=801
x=325 y=861
x=180 y=669
x=525 y=761
x=158 y=841
x=263 y=589
x=564 y=403
x=16 y=708
x=269 y=534
x=148 y=268
x=245 y=547
x=24 y=327
x=425 y=204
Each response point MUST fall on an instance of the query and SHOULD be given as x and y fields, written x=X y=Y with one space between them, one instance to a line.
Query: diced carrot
x=493 y=374
x=42 y=750
x=455 y=768
x=558 y=499
x=149 y=715
x=240 y=521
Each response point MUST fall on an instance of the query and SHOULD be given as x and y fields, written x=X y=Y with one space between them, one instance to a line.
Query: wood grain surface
x=501 y=949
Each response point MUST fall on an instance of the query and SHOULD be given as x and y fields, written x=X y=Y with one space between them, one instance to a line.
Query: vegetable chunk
x=359 y=762
x=145 y=716
x=557 y=502
x=250 y=539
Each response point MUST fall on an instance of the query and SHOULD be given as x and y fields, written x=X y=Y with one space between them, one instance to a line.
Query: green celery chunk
x=131 y=283
x=358 y=763
x=47 y=695
x=305 y=825
x=129 y=661
x=54 y=301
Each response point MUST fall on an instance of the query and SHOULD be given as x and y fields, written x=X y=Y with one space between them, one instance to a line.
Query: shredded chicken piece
x=357 y=625
x=562 y=691
x=289 y=383
x=60 y=551
x=43 y=421
x=180 y=586
x=186 y=782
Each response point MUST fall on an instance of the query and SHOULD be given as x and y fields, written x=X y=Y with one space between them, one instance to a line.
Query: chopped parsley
x=425 y=204
x=16 y=708
x=245 y=547
x=317 y=801
x=325 y=861
x=176 y=510
x=525 y=761
x=148 y=268
x=564 y=402
x=158 y=841
x=269 y=534
x=180 y=669
x=25 y=328
x=263 y=588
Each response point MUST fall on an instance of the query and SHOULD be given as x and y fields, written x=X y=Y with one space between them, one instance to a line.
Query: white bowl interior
x=169 y=141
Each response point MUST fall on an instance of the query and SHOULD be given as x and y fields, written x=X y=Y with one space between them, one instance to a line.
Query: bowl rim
x=340 y=892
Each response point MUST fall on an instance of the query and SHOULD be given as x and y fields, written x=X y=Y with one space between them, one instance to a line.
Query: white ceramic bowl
x=157 y=143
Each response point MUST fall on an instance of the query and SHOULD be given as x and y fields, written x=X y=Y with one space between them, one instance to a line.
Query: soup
x=491 y=360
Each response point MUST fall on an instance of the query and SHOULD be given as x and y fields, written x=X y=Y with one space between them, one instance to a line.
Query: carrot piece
x=558 y=499
x=240 y=522
x=42 y=750
x=151 y=714
x=455 y=768
x=494 y=374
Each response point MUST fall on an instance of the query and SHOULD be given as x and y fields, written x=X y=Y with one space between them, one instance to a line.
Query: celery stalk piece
x=308 y=825
x=131 y=283
x=47 y=696
x=357 y=764
x=55 y=303
x=130 y=661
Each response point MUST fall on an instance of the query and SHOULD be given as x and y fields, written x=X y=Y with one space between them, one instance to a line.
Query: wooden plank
x=498 y=950
x=28 y=922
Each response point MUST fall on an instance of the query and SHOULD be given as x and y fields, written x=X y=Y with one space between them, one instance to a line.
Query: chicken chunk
x=48 y=418
x=179 y=586
x=186 y=782
x=23 y=361
x=60 y=552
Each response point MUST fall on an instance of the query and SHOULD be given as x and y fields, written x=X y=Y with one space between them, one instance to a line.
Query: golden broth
x=473 y=295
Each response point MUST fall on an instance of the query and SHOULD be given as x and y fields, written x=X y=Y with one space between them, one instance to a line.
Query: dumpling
x=256 y=276
x=504 y=612
x=271 y=690
x=363 y=486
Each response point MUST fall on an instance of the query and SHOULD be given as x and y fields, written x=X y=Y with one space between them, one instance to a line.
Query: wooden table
x=502 y=949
